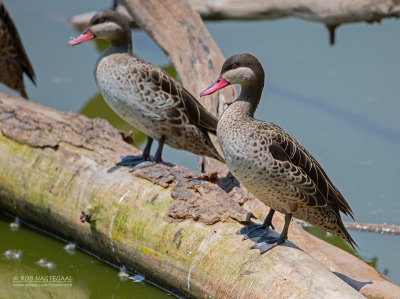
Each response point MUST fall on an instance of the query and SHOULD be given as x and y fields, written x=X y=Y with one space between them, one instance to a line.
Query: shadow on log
x=54 y=165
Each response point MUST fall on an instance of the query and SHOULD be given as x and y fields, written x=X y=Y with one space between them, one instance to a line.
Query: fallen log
x=54 y=165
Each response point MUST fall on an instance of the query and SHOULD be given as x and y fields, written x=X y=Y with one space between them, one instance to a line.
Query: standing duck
x=270 y=163
x=13 y=59
x=145 y=96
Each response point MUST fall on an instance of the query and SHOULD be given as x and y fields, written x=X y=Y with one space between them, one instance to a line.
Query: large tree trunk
x=54 y=165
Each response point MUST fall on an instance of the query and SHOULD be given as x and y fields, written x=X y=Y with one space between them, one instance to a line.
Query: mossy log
x=54 y=165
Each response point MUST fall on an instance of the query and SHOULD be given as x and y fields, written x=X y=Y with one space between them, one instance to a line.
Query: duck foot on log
x=137 y=160
x=266 y=242
x=247 y=231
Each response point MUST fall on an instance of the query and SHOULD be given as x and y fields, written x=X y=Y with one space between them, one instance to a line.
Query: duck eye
x=234 y=66
x=101 y=20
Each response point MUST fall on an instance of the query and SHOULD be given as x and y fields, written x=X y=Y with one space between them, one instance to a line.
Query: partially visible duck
x=144 y=95
x=270 y=163
x=13 y=59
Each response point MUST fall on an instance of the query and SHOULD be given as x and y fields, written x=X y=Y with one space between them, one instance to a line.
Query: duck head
x=108 y=25
x=243 y=69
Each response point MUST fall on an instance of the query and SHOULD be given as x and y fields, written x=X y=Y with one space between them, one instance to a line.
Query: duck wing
x=197 y=114
x=303 y=172
x=9 y=33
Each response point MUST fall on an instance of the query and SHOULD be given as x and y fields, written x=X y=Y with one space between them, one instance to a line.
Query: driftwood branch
x=385 y=229
x=327 y=12
x=54 y=165
x=331 y=13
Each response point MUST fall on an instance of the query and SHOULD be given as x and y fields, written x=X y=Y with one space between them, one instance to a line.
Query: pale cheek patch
x=239 y=75
x=106 y=30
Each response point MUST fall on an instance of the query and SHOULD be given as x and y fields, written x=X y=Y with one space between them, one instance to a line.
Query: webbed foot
x=132 y=160
x=143 y=164
x=266 y=243
x=249 y=232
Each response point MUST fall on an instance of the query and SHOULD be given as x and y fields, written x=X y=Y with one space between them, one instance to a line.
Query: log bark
x=54 y=165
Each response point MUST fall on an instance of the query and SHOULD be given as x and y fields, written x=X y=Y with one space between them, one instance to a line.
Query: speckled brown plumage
x=269 y=162
x=13 y=59
x=153 y=102
x=145 y=96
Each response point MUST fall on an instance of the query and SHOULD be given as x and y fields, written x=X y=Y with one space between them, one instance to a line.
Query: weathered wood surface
x=54 y=165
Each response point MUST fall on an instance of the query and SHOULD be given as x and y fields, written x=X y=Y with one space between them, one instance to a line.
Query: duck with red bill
x=145 y=96
x=271 y=164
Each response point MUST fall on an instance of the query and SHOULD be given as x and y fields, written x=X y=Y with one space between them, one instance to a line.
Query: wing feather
x=197 y=114
x=301 y=164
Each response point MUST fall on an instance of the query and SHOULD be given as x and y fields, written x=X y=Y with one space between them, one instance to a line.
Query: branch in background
x=384 y=229
x=329 y=12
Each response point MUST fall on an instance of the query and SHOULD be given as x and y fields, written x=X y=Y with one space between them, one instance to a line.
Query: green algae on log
x=54 y=165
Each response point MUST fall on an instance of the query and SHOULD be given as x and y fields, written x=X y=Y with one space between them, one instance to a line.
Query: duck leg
x=157 y=158
x=160 y=148
x=267 y=242
x=135 y=160
x=248 y=230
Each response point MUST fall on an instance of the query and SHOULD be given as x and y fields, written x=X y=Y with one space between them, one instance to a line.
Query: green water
x=340 y=102
x=91 y=278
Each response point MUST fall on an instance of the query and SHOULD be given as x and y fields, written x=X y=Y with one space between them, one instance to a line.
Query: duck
x=13 y=59
x=145 y=96
x=271 y=164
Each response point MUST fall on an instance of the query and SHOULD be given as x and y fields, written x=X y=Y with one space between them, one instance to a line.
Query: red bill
x=219 y=84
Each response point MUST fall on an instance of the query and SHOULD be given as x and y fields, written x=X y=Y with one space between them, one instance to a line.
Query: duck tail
x=344 y=234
